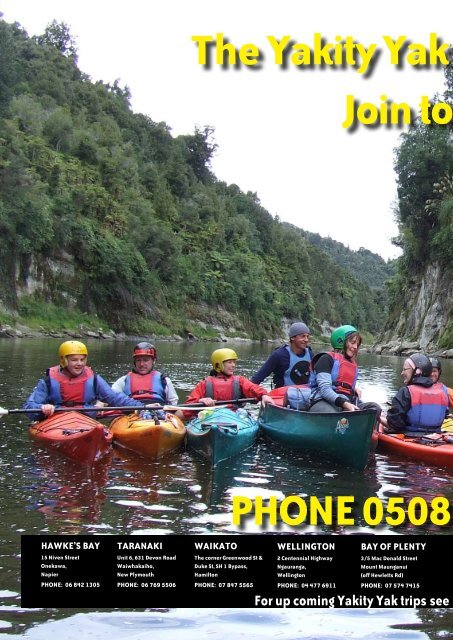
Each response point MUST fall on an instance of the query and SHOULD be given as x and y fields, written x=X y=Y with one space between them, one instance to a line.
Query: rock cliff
x=423 y=320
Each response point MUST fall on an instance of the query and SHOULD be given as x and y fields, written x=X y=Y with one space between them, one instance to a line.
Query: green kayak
x=218 y=434
x=346 y=436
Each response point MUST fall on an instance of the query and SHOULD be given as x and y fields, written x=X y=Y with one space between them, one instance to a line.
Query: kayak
x=436 y=449
x=218 y=434
x=73 y=435
x=346 y=436
x=152 y=438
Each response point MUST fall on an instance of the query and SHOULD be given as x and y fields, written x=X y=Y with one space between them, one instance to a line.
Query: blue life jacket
x=296 y=373
x=428 y=408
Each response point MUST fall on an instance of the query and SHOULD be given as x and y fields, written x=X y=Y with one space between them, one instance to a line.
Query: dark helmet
x=145 y=349
x=422 y=364
x=436 y=363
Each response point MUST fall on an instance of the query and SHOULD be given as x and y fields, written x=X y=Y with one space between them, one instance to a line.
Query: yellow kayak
x=152 y=438
x=447 y=424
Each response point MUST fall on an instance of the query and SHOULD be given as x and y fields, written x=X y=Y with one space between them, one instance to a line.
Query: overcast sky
x=279 y=131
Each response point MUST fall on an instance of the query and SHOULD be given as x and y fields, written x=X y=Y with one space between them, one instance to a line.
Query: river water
x=180 y=494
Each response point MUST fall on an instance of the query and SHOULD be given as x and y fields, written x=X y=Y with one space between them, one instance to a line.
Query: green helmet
x=340 y=334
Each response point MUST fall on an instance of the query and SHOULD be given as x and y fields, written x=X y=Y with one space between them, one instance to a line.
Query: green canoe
x=346 y=436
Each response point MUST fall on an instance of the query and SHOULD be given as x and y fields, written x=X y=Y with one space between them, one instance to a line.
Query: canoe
x=438 y=452
x=152 y=438
x=218 y=434
x=346 y=437
x=73 y=435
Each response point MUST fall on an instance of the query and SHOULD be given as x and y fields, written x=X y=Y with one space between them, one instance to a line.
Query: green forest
x=424 y=168
x=106 y=217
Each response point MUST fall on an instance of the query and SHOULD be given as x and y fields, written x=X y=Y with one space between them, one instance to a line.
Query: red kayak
x=436 y=449
x=73 y=435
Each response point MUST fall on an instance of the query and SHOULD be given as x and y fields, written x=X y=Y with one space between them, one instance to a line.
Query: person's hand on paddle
x=154 y=405
x=48 y=410
x=209 y=402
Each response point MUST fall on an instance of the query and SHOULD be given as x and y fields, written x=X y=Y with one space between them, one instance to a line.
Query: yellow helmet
x=219 y=356
x=71 y=348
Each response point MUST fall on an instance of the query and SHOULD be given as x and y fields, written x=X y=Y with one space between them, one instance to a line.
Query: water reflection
x=70 y=496
x=230 y=624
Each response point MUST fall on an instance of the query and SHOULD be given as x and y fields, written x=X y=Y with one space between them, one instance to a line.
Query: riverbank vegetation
x=104 y=213
x=424 y=212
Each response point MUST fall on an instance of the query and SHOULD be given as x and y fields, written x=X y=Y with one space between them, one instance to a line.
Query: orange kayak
x=152 y=438
x=437 y=451
x=73 y=435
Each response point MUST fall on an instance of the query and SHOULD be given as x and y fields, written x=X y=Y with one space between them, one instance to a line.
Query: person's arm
x=38 y=399
x=198 y=394
x=274 y=364
x=114 y=398
x=327 y=392
x=250 y=390
x=171 y=396
x=323 y=371
x=119 y=385
x=397 y=421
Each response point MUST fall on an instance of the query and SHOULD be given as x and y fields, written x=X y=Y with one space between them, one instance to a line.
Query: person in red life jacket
x=421 y=405
x=222 y=384
x=144 y=382
x=334 y=376
x=435 y=375
x=73 y=384
x=290 y=363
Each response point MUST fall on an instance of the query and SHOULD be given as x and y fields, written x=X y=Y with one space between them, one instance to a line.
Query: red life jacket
x=147 y=387
x=70 y=392
x=428 y=407
x=344 y=374
x=223 y=388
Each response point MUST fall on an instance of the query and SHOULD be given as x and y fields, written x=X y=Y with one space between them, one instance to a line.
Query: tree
x=57 y=35
x=199 y=150
x=424 y=156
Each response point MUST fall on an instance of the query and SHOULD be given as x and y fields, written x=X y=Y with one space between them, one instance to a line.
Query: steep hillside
x=368 y=267
x=421 y=294
x=103 y=212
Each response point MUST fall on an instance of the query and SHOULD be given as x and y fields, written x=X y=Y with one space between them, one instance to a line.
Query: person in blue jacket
x=73 y=384
x=421 y=405
x=290 y=363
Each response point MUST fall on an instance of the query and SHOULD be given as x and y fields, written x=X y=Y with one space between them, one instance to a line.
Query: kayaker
x=290 y=363
x=144 y=382
x=334 y=376
x=73 y=384
x=435 y=375
x=222 y=384
x=421 y=405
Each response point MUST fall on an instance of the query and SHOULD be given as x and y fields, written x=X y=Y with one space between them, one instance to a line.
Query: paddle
x=200 y=405
x=189 y=407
